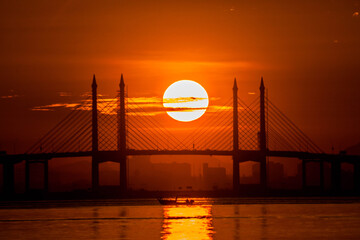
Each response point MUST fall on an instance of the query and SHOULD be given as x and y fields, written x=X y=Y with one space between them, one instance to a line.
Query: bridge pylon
x=122 y=136
x=95 y=139
x=263 y=145
x=236 y=160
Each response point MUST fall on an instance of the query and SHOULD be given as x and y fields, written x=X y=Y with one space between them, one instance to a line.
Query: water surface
x=209 y=219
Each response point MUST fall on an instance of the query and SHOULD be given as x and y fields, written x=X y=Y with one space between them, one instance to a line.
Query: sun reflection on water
x=187 y=222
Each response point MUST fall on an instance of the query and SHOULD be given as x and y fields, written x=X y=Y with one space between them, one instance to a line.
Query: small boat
x=175 y=202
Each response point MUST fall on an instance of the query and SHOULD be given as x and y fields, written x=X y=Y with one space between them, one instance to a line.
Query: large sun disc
x=185 y=100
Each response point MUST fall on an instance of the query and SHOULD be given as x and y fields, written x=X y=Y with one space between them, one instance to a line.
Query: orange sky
x=308 y=53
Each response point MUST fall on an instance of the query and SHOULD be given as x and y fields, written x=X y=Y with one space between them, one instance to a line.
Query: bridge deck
x=244 y=155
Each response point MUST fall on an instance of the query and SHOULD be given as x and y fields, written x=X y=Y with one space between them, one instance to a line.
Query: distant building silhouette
x=214 y=177
x=158 y=176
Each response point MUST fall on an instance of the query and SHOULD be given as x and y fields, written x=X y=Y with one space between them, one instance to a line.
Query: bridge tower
x=236 y=162
x=122 y=136
x=95 y=140
x=263 y=147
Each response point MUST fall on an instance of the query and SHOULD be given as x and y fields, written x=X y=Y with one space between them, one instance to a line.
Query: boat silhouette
x=163 y=201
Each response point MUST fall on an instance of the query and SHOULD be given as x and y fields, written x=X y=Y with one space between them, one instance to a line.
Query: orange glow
x=187 y=222
x=307 y=52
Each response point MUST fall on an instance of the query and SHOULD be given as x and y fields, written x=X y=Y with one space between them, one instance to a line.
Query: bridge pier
x=322 y=177
x=123 y=174
x=336 y=176
x=94 y=173
x=46 y=175
x=236 y=174
x=263 y=173
x=8 y=178
x=303 y=171
x=27 y=176
x=356 y=177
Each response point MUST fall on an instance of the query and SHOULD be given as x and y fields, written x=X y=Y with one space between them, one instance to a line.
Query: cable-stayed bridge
x=110 y=129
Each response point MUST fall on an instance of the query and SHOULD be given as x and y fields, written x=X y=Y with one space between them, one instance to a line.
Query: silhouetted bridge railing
x=245 y=155
x=112 y=129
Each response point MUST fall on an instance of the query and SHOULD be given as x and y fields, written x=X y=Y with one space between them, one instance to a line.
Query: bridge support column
x=46 y=175
x=8 y=178
x=322 y=177
x=357 y=177
x=263 y=173
x=123 y=174
x=27 y=176
x=236 y=174
x=95 y=143
x=236 y=162
x=303 y=171
x=94 y=173
x=336 y=176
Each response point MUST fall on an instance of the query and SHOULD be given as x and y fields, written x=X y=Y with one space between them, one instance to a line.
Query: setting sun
x=185 y=100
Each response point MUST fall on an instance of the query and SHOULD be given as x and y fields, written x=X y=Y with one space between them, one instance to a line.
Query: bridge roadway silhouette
x=245 y=155
x=238 y=155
